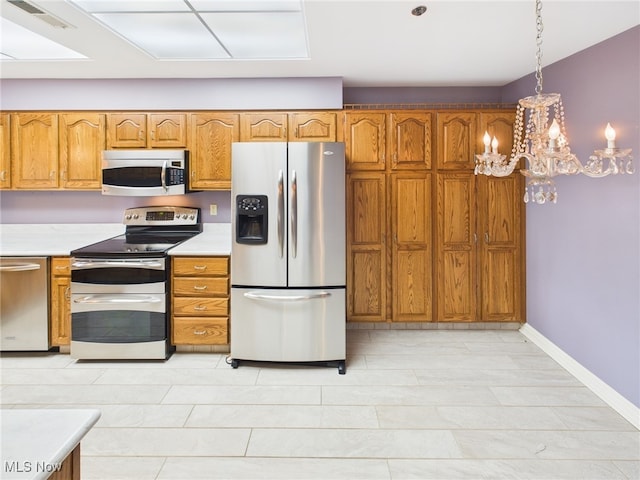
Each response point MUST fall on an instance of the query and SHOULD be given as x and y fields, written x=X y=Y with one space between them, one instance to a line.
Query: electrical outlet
x=213 y=209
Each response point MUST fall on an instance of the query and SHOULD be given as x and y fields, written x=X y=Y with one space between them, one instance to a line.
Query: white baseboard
x=616 y=401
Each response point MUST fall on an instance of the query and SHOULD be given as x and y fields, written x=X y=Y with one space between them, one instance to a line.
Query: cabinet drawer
x=61 y=266
x=204 y=286
x=201 y=266
x=200 y=306
x=198 y=331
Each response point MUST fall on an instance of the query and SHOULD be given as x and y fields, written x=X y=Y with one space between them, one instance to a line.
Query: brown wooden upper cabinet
x=499 y=125
x=410 y=140
x=34 y=151
x=5 y=150
x=82 y=138
x=312 y=127
x=456 y=145
x=263 y=127
x=147 y=130
x=212 y=134
x=365 y=140
x=291 y=127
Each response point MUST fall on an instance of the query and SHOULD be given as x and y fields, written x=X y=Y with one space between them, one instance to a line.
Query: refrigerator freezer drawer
x=288 y=325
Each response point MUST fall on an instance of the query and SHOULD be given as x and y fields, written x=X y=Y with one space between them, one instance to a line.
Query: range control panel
x=161 y=216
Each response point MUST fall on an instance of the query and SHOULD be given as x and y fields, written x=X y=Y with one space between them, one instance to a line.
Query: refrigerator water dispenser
x=251 y=219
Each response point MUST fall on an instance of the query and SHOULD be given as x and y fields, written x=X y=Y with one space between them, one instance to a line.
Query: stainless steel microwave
x=145 y=173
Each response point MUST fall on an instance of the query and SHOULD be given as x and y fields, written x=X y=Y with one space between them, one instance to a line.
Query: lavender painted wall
x=583 y=254
x=93 y=207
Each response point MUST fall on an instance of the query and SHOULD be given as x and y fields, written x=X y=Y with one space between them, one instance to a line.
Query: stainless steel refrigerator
x=288 y=256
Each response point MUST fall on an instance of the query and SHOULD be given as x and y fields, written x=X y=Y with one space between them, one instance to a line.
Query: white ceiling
x=366 y=42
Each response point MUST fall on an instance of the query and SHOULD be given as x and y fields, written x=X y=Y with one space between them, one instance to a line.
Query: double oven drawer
x=118 y=308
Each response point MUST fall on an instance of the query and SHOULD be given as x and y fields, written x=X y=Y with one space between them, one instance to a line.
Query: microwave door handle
x=281 y=213
x=294 y=214
x=163 y=176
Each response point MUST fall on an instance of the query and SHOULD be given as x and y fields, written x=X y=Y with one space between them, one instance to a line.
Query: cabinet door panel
x=168 y=130
x=366 y=285
x=312 y=127
x=456 y=140
x=82 y=140
x=456 y=244
x=456 y=301
x=499 y=125
x=5 y=149
x=211 y=139
x=127 y=130
x=411 y=247
x=34 y=150
x=365 y=140
x=366 y=249
x=501 y=290
x=502 y=253
x=263 y=127
x=410 y=141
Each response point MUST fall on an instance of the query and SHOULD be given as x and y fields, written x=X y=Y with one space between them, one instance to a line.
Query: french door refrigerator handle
x=281 y=213
x=294 y=214
x=286 y=298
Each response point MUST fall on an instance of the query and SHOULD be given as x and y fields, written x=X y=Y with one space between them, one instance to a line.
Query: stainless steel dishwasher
x=24 y=304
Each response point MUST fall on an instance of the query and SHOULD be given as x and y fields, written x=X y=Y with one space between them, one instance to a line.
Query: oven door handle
x=117 y=299
x=117 y=263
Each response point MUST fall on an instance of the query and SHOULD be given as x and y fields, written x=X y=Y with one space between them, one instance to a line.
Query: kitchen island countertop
x=29 y=240
x=35 y=442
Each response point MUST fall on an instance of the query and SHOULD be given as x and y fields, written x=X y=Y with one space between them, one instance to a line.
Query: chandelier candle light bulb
x=494 y=145
x=610 y=135
x=487 y=142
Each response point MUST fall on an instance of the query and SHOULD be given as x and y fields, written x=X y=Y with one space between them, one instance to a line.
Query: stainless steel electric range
x=120 y=286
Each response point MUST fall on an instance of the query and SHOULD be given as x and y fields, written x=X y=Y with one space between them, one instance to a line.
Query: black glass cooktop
x=141 y=244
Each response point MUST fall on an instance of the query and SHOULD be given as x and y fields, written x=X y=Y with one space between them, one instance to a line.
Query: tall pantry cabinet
x=480 y=221
x=389 y=237
x=427 y=239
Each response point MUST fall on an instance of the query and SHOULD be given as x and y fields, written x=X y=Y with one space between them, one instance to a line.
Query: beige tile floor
x=419 y=404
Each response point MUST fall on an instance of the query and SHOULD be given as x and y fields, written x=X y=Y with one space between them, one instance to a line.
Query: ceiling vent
x=38 y=13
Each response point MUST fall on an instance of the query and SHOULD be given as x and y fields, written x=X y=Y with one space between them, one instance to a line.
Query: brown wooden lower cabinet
x=200 y=300
x=60 y=302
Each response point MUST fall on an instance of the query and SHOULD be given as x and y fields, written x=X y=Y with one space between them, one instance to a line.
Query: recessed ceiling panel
x=132 y=5
x=260 y=34
x=166 y=35
x=246 y=5
x=18 y=43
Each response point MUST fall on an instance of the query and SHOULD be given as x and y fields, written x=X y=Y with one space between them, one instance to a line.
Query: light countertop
x=215 y=239
x=24 y=240
x=36 y=441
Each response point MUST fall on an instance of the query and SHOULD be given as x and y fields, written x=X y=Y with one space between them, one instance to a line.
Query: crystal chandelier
x=545 y=146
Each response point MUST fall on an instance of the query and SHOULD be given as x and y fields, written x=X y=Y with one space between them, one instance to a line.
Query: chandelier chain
x=539 y=28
